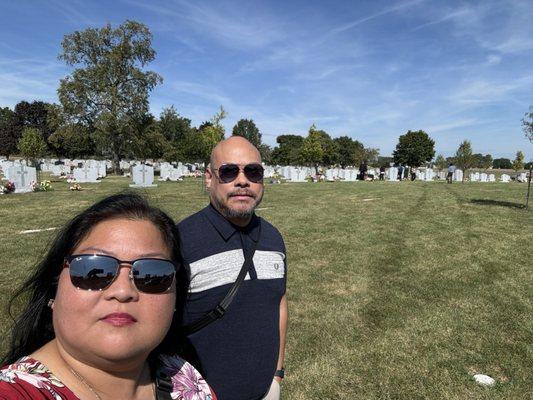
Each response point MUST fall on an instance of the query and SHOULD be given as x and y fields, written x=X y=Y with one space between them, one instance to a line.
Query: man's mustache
x=242 y=192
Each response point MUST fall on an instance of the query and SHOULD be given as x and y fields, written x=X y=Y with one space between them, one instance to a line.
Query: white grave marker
x=143 y=176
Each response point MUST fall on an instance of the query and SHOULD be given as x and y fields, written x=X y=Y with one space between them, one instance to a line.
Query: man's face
x=236 y=200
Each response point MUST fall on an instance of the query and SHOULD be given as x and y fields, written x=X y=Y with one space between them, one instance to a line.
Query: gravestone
x=143 y=176
x=429 y=174
x=458 y=175
x=101 y=169
x=392 y=174
x=298 y=175
x=505 y=178
x=483 y=177
x=86 y=175
x=22 y=176
x=350 y=175
x=492 y=178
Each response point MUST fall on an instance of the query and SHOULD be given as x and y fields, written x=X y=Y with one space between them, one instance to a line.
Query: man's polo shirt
x=238 y=353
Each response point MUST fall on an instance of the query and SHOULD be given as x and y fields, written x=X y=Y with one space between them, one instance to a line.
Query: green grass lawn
x=396 y=290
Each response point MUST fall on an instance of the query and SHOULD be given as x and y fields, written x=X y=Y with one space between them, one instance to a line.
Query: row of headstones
x=23 y=176
x=169 y=172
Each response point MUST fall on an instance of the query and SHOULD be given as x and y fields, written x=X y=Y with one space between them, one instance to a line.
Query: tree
x=527 y=124
x=518 y=162
x=464 y=158
x=441 y=163
x=108 y=89
x=328 y=153
x=368 y=155
x=173 y=126
x=312 y=151
x=414 y=148
x=8 y=132
x=247 y=129
x=72 y=140
x=288 y=151
x=385 y=161
x=346 y=150
x=486 y=162
x=32 y=145
x=266 y=153
x=211 y=135
x=34 y=115
x=151 y=143
x=502 y=163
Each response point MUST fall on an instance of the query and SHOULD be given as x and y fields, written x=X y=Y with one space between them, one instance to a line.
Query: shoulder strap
x=219 y=311
x=163 y=386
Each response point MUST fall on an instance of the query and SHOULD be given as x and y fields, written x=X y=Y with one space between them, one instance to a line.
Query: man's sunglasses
x=97 y=272
x=229 y=172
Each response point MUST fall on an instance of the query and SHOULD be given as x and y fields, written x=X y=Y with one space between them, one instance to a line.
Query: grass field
x=396 y=290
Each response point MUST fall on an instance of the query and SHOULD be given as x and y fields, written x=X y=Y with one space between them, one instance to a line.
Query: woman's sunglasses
x=97 y=272
x=229 y=172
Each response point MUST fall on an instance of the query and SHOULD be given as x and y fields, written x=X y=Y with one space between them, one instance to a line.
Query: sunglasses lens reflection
x=94 y=272
x=153 y=276
x=254 y=172
x=228 y=172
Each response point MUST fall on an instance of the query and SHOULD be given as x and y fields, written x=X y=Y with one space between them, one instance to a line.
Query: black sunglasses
x=229 y=172
x=97 y=272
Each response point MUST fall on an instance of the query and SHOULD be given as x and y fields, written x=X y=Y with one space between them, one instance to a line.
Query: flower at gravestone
x=45 y=186
x=9 y=187
x=75 y=187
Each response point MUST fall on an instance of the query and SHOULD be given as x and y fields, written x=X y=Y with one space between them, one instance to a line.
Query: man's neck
x=240 y=222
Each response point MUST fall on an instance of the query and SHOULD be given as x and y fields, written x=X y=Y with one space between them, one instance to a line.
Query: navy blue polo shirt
x=238 y=353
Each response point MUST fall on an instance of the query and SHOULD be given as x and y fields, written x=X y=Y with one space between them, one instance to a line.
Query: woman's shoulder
x=186 y=381
x=27 y=378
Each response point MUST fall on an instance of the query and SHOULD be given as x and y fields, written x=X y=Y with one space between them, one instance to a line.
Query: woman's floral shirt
x=29 y=379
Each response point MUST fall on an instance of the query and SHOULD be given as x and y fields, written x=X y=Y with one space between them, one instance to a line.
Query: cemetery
x=369 y=260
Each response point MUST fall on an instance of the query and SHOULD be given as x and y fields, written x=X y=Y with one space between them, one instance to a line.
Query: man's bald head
x=230 y=147
x=237 y=198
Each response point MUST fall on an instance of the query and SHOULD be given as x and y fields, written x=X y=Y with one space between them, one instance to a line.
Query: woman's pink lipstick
x=119 y=319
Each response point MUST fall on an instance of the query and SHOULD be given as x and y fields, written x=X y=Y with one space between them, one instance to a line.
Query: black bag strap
x=163 y=386
x=219 y=311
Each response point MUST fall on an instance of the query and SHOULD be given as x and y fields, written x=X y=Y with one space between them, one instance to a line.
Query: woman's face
x=118 y=324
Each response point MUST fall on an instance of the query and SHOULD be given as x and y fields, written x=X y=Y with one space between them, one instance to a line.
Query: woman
x=101 y=304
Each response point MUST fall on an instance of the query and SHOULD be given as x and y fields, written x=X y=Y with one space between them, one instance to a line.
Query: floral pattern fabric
x=29 y=379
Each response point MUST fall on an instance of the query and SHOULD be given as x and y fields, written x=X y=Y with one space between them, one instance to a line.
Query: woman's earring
x=50 y=303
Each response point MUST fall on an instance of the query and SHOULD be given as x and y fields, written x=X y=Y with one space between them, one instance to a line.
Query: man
x=451 y=170
x=382 y=173
x=363 y=168
x=241 y=354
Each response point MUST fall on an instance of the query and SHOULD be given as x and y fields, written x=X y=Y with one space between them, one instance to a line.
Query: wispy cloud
x=234 y=27
x=388 y=10
x=484 y=91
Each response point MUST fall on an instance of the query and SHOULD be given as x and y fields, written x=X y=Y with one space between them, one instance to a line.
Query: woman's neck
x=129 y=380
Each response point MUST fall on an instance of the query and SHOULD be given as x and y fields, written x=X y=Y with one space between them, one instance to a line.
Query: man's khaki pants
x=275 y=391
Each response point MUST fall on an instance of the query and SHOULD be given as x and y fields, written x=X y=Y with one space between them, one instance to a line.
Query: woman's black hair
x=33 y=327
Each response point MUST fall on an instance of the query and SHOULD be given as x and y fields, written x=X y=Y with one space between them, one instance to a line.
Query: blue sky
x=369 y=69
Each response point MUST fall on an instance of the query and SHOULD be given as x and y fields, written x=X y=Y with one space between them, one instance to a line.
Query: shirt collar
x=226 y=229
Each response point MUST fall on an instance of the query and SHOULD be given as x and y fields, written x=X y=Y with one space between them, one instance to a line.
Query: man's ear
x=208 y=177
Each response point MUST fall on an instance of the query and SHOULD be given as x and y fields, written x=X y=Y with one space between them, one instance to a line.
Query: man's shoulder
x=192 y=220
x=271 y=234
